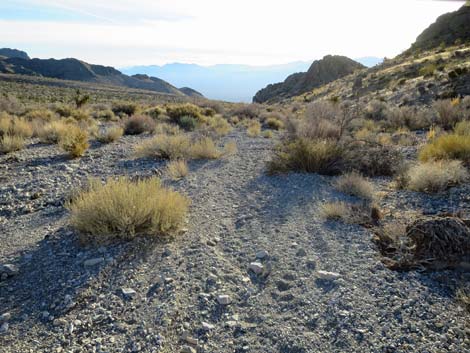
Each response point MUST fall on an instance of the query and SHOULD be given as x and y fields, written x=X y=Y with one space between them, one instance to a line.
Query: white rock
x=330 y=276
x=207 y=327
x=187 y=349
x=224 y=299
x=4 y=328
x=93 y=262
x=5 y=317
x=128 y=292
x=256 y=267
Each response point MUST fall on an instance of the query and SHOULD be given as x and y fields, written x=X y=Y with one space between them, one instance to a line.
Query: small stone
x=128 y=293
x=4 y=328
x=187 y=349
x=8 y=270
x=256 y=267
x=224 y=299
x=301 y=253
x=329 y=276
x=262 y=254
x=59 y=322
x=93 y=262
x=311 y=264
x=207 y=327
x=5 y=317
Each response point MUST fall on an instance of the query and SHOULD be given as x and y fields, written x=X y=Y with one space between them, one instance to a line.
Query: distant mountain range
x=14 y=61
x=235 y=83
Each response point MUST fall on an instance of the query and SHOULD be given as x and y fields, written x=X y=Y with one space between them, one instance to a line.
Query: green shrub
x=123 y=209
x=187 y=123
x=177 y=111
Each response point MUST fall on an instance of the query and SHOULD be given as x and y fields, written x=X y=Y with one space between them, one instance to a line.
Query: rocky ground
x=256 y=269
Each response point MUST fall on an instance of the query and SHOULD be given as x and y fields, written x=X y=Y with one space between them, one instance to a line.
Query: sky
x=123 y=33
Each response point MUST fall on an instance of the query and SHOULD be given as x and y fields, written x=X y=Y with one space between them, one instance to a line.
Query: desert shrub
x=463 y=296
x=217 y=107
x=177 y=169
x=407 y=117
x=463 y=128
x=63 y=110
x=177 y=111
x=204 y=148
x=14 y=126
x=40 y=114
x=165 y=147
x=11 y=143
x=448 y=113
x=124 y=209
x=376 y=110
x=335 y=211
x=356 y=185
x=166 y=129
x=187 y=123
x=127 y=108
x=254 y=128
x=219 y=126
x=436 y=176
x=372 y=159
x=105 y=114
x=74 y=141
x=267 y=134
x=310 y=156
x=10 y=104
x=230 y=149
x=138 y=124
x=450 y=146
x=234 y=120
x=275 y=124
x=51 y=132
x=155 y=112
x=207 y=111
x=80 y=115
x=428 y=69
x=110 y=134
x=247 y=111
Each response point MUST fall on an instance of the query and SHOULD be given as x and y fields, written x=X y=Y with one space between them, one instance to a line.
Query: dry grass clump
x=274 y=124
x=104 y=114
x=123 y=209
x=110 y=134
x=463 y=296
x=51 y=132
x=254 y=128
x=407 y=117
x=335 y=211
x=165 y=147
x=138 y=124
x=204 y=148
x=230 y=149
x=74 y=141
x=356 y=185
x=247 y=111
x=177 y=169
x=14 y=126
x=11 y=143
x=436 y=176
x=310 y=156
x=40 y=114
x=219 y=125
x=450 y=146
x=166 y=129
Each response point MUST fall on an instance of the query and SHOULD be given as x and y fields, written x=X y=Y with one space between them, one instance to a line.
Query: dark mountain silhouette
x=13 y=53
x=191 y=92
x=323 y=71
x=77 y=70
x=448 y=29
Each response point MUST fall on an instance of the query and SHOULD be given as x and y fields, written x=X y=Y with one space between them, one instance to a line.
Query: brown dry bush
x=74 y=141
x=356 y=185
x=165 y=147
x=254 y=128
x=177 y=169
x=51 y=132
x=138 y=124
x=247 y=111
x=110 y=134
x=448 y=112
x=123 y=209
x=11 y=143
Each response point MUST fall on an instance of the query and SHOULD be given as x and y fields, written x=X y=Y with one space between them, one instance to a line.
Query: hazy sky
x=259 y=32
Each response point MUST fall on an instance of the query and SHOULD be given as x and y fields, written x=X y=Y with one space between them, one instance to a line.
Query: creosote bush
x=74 y=141
x=127 y=108
x=123 y=209
x=177 y=111
x=356 y=185
x=436 y=176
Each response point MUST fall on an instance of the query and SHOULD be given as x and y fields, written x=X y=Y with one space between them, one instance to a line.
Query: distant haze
x=234 y=83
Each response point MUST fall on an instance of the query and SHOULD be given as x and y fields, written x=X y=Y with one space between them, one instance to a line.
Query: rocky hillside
x=17 y=62
x=191 y=92
x=449 y=29
x=320 y=72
